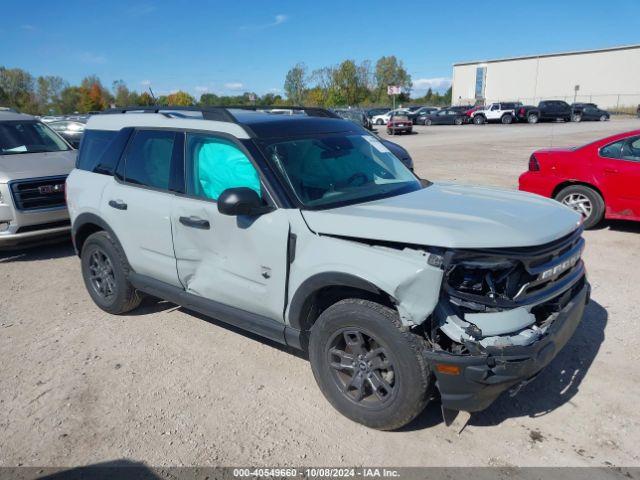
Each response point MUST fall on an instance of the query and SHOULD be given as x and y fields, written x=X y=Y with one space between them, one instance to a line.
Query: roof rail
x=221 y=113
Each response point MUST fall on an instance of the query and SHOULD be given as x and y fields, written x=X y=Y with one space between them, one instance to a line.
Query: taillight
x=521 y=110
x=534 y=166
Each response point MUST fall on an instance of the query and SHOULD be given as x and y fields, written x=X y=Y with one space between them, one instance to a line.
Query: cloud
x=201 y=89
x=145 y=83
x=234 y=86
x=275 y=90
x=141 y=9
x=438 y=83
x=89 y=57
x=279 y=19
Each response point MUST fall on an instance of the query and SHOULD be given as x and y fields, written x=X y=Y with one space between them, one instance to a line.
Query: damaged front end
x=502 y=316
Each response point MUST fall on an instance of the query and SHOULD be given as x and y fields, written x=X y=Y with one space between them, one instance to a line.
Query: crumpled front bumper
x=482 y=378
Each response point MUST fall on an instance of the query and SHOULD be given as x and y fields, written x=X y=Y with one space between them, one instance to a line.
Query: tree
x=122 y=94
x=390 y=71
x=145 y=99
x=91 y=98
x=48 y=94
x=70 y=100
x=180 y=98
x=17 y=90
x=295 y=83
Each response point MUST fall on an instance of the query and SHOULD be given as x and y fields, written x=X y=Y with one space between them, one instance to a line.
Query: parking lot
x=166 y=386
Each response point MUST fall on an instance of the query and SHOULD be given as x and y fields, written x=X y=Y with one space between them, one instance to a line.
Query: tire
x=478 y=120
x=576 y=117
x=506 y=119
x=379 y=122
x=584 y=200
x=389 y=131
x=401 y=388
x=428 y=122
x=458 y=121
x=533 y=118
x=105 y=264
x=567 y=119
x=603 y=118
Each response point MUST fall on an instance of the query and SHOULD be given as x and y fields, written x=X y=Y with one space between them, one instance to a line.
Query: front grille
x=38 y=193
x=519 y=276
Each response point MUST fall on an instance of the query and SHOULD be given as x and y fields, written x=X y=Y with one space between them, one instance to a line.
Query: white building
x=609 y=77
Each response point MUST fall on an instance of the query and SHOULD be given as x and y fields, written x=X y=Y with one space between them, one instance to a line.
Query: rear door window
x=148 y=159
x=94 y=144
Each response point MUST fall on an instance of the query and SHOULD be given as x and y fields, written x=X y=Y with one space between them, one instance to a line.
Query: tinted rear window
x=94 y=144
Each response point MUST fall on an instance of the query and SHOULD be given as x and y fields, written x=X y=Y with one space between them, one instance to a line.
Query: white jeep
x=495 y=112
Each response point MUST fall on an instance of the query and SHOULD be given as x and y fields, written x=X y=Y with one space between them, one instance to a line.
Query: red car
x=600 y=179
x=399 y=124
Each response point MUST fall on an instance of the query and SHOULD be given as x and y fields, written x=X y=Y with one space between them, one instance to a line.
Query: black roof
x=262 y=122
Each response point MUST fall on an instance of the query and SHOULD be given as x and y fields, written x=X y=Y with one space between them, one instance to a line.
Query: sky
x=229 y=47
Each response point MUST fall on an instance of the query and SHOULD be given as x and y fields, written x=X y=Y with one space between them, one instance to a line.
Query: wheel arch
x=87 y=224
x=569 y=183
x=322 y=290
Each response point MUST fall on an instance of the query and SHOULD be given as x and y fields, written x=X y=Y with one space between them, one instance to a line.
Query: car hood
x=453 y=216
x=30 y=165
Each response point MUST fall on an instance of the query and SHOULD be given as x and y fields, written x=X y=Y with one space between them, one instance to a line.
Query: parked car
x=458 y=108
x=307 y=231
x=70 y=130
x=503 y=112
x=547 y=110
x=383 y=118
x=469 y=112
x=447 y=116
x=399 y=123
x=638 y=111
x=419 y=116
x=373 y=112
x=34 y=163
x=355 y=115
x=598 y=180
x=588 y=111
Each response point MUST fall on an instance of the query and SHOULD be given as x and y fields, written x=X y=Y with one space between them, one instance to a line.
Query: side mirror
x=241 y=201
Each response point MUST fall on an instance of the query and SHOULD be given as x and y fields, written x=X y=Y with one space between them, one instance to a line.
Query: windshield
x=338 y=169
x=28 y=137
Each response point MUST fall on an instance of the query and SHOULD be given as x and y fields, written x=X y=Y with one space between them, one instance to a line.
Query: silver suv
x=306 y=230
x=34 y=164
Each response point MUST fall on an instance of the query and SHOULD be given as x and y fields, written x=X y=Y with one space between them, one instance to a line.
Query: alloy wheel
x=101 y=274
x=361 y=368
x=580 y=203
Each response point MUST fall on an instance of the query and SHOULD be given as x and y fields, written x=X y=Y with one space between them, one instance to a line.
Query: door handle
x=195 y=222
x=118 y=204
x=610 y=171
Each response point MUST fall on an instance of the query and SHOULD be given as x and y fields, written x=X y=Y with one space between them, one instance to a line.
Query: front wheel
x=368 y=367
x=532 y=118
x=577 y=117
x=379 y=122
x=603 y=118
x=584 y=200
x=428 y=122
x=478 y=119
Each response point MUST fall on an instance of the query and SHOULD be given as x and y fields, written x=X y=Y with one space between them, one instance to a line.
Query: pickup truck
x=546 y=110
x=504 y=112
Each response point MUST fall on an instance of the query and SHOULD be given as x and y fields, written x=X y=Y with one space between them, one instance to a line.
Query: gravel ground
x=165 y=386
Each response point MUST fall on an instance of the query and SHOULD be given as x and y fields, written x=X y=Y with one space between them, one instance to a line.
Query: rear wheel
x=105 y=270
x=379 y=122
x=478 y=119
x=532 y=118
x=603 y=118
x=458 y=121
x=368 y=367
x=506 y=119
x=584 y=200
x=577 y=117
x=427 y=122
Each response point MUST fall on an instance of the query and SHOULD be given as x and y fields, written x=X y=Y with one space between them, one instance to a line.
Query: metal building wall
x=610 y=78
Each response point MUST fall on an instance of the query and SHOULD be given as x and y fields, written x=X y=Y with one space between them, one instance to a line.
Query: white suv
x=307 y=230
x=496 y=112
